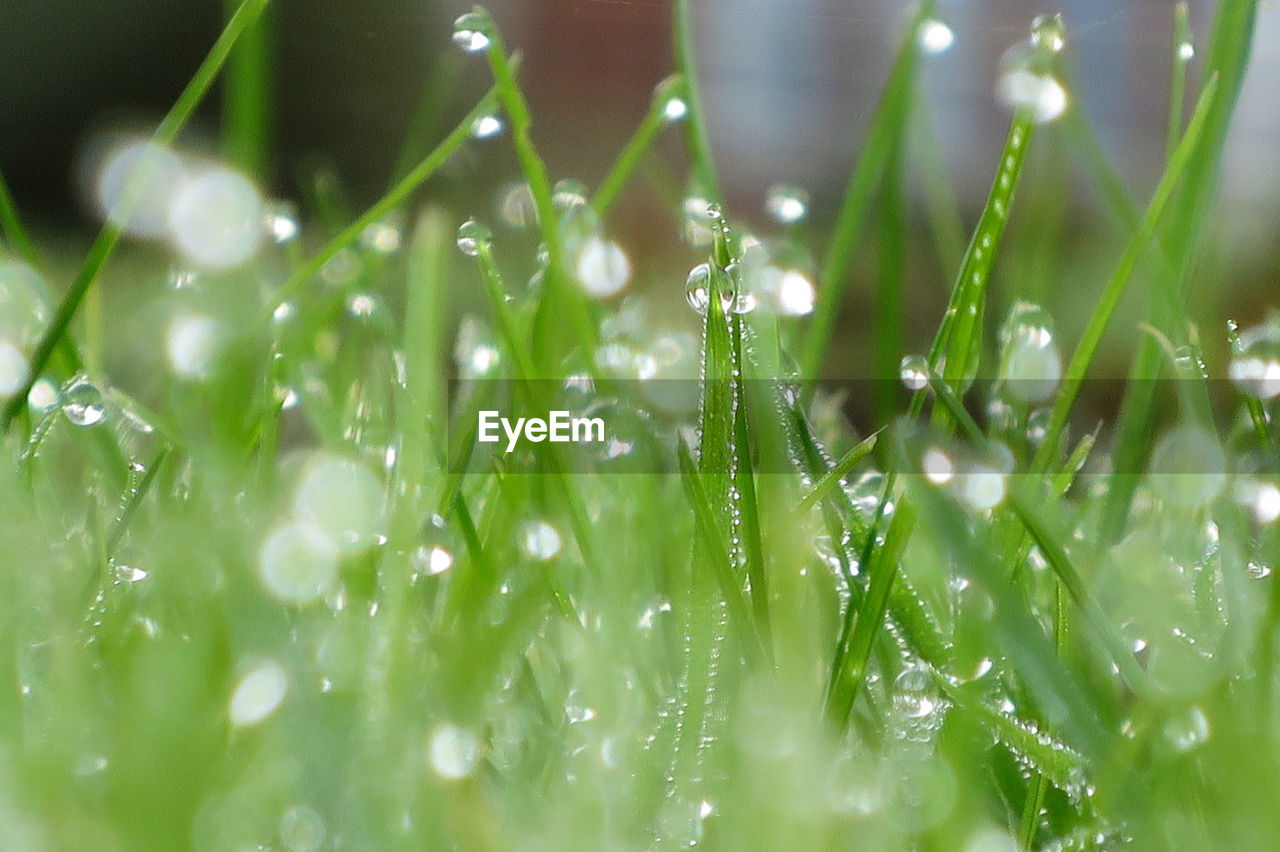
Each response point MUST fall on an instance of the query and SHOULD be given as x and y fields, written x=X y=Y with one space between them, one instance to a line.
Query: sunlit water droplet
x=192 y=343
x=786 y=204
x=603 y=268
x=914 y=693
x=1261 y=498
x=914 y=372
x=281 y=222
x=1020 y=87
x=298 y=562
x=540 y=541
x=795 y=293
x=473 y=350
x=472 y=237
x=43 y=395
x=215 y=219
x=258 y=694
x=1030 y=366
x=1048 y=34
x=453 y=751
x=669 y=98
x=675 y=109
x=697 y=222
x=1187 y=729
x=471 y=32
x=935 y=37
x=1255 y=363
x=697 y=288
x=939 y=468
x=486 y=126
x=342 y=496
x=1188 y=467
x=160 y=173
x=431 y=560
x=302 y=829
x=82 y=402
x=13 y=369
x=382 y=237
x=517 y=208
x=569 y=193
x=24 y=305
x=1186 y=51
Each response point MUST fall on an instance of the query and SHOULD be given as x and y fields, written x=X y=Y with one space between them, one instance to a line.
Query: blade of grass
x=11 y=225
x=1077 y=368
x=839 y=471
x=885 y=134
x=941 y=206
x=695 y=128
x=396 y=196
x=1182 y=53
x=560 y=291
x=1228 y=57
x=640 y=143
x=889 y=313
x=246 y=100
x=105 y=243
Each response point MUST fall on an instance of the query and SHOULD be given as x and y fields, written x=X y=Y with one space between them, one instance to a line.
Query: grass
x=290 y=601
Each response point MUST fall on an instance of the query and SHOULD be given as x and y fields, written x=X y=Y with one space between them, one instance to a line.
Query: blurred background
x=789 y=87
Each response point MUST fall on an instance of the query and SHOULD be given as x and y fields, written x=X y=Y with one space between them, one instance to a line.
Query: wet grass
x=282 y=597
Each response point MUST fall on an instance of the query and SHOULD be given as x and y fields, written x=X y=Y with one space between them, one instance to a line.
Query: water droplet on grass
x=1187 y=729
x=935 y=36
x=1047 y=33
x=517 y=208
x=486 y=126
x=1188 y=467
x=382 y=237
x=569 y=193
x=453 y=751
x=1186 y=51
x=1030 y=366
x=281 y=222
x=298 y=562
x=302 y=829
x=24 y=304
x=13 y=369
x=697 y=227
x=786 y=204
x=1261 y=498
x=914 y=372
x=258 y=695
x=82 y=402
x=473 y=351
x=472 y=237
x=215 y=219
x=1255 y=362
x=668 y=96
x=160 y=172
x=603 y=268
x=43 y=395
x=192 y=343
x=914 y=693
x=540 y=541
x=939 y=468
x=794 y=293
x=342 y=496
x=471 y=32
x=697 y=288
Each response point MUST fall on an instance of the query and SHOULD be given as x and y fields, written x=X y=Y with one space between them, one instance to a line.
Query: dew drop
x=1187 y=729
x=486 y=126
x=981 y=488
x=1030 y=366
x=298 y=562
x=914 y=693
x=669 y=98
x=157 y=173
x=914 y=372
x=43 y=395
x=1047 y=33
x=795 y=293
x=1261 y=498
x=13 y=369
x=935 y=37
x=603 y=268
x=697 y=230
x=24 y=305
x=1188 y=467
x=786 y=204
x=192 y=343
x=258 y=695
x=697 y=288
x=471 y=32
x=472 y=237
x=82 y=402
x=569 y=193
x=939 y=468
x=453 y=751
x=473 y=351
x=1186 y=51
x=540 y=541
x=517 y=208
x=432 y=560
x=1255 y=362
x=302 y=829
x=215 y=219
x=281 y=222
x=342 y=496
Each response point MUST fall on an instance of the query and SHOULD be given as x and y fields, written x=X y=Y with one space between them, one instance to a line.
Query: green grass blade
x=11 y=225
x=639 y=144
x=839 y=471
x=246 y=99
x=850 y=668
x=695 y=128
x=1182 y=53
x=1077 y=368
x=104 y=246
x=886 y=134
x=891 y=284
